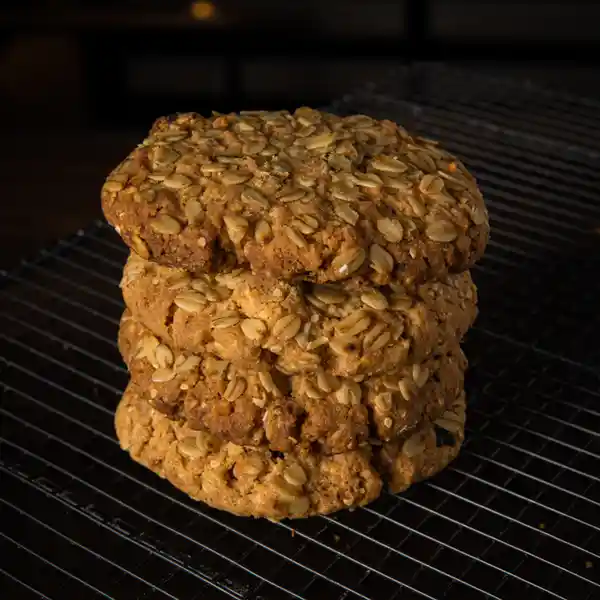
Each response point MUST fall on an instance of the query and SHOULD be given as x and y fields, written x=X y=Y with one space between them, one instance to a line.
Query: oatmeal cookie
x=248 y=481
x=261 y=405
x=346 y=329
x=305 y=195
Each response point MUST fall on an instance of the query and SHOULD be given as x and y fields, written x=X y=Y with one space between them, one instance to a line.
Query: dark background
x=80 y=82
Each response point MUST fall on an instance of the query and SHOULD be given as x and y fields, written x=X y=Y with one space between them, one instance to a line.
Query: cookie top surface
x=304 y=195
x=249 y=481
x=346 y=328
x=262 y=406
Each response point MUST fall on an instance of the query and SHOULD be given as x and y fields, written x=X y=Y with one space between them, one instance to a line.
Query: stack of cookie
x=296 y=295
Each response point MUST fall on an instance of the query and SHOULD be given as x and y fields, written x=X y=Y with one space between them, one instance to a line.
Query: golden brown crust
x=255 y=482
x=261 y=405
x=304 y=195
x=345 y=329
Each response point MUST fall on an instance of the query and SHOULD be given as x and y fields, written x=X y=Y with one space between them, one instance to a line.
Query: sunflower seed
x=345 y=212
x=164 y=356
x=262 y=232
x=441 y=231
x=286 y=328
x=328 y=294
x=190 y=302
x=176 y=181
x=165 y=225
x=381 y=260
x=163 y=375
x=225 y=322
x=374 y=299
x=235 y=389
x=234 y=177
x=388 y=164
x=295 y=237
x=236 y=227
x=383 y=402
x=349 y=262
x=413 y=446
x=420 y=375
x=253 y=329
x=254 y=197
x=391 y=229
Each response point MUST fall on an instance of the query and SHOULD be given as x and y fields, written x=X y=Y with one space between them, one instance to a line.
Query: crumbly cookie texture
x=297 y=195
x=426 y=451
x=261 y=405
x=247 y=481
x=346 y=329
x=253 y=481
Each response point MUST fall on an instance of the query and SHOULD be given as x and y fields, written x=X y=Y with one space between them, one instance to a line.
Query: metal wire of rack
x=517 y=515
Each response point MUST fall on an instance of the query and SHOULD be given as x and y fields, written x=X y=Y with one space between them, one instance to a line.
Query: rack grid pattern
x=516 y=516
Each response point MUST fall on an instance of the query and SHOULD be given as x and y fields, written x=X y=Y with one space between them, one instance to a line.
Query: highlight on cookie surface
x=297 y=195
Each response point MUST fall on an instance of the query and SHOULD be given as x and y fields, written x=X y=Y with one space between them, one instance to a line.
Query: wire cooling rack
x=516 y=516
